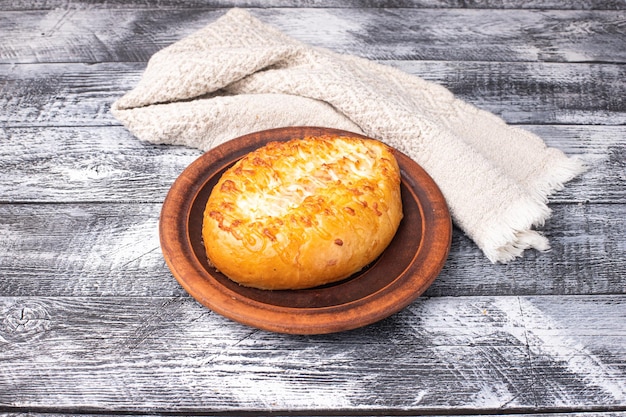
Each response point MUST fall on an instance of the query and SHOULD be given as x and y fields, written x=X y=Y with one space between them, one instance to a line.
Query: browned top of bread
x=303 y=213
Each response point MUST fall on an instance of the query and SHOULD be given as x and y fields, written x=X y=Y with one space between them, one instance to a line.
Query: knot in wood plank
x=24 y=321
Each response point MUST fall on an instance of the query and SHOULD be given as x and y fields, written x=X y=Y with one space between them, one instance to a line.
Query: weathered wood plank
x=532 y=93
x=107 y=164
x=87 y=249
x=63 y=94
x=86 y=164
x=113 y=250
x=480 y=353
x=198 y=4
x=581 y=261
x=536 y=93
x=606 y=161
x=73 y=35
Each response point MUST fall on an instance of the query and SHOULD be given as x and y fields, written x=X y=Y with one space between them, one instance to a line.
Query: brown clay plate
x=401 y=274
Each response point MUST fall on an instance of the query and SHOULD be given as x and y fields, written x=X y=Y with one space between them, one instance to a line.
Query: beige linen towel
x=239 y=75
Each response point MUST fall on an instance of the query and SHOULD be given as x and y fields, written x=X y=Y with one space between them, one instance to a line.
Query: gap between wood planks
x=615 y=411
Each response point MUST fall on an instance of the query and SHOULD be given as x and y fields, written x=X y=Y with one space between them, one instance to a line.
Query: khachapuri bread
x=303 y=213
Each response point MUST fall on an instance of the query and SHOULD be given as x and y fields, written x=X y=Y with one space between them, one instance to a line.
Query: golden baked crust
x=303 y=213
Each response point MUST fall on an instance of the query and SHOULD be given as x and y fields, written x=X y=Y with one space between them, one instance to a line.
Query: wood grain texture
x=198 y=4
x=87 y=164
x=96 y=250
x=153 y=353
x=530 y=93
x=107 y=164
x=408 y=34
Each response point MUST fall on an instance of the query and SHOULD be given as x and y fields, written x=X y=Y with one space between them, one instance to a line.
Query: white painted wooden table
x=92 y=322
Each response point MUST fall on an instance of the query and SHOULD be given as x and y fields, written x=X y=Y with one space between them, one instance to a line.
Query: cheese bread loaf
x=303 y=213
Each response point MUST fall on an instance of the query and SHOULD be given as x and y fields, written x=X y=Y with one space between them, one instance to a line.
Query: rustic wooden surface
x=92 y=322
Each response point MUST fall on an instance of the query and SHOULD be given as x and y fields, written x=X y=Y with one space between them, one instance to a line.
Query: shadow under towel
x=239 y=75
